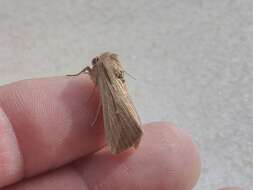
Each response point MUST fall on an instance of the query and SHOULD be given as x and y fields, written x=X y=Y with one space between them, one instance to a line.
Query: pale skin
x=47 y=142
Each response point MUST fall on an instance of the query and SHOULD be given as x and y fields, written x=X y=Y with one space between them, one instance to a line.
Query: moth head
x=95 y=61
x=109 y=56
x=114 y=56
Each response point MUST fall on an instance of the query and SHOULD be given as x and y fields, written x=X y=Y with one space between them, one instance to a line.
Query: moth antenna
x=85 y=70
x=130 y=75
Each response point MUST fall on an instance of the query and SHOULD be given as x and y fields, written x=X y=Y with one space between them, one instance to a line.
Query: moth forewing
x=121 y=121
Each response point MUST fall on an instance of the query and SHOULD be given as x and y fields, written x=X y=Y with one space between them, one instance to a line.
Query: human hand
x=47 y=142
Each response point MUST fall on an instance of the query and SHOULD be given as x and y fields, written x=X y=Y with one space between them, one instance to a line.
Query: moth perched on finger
x=121 y=121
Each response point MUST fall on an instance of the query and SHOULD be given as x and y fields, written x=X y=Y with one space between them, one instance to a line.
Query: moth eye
x=94 y=61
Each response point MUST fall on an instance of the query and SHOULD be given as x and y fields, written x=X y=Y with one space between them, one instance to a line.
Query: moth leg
x=85 y=70
x=136 y=145
x=99 y=110
x=94 y=88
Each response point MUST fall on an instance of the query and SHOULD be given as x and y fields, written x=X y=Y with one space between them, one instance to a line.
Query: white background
x=193 y=61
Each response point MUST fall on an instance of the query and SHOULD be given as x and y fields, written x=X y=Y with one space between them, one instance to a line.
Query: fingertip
x=166 y=159
x=182 y=151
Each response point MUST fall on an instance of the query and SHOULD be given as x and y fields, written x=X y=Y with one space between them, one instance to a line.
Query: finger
x=10 y=157
x=166 y=159
x=52 y=123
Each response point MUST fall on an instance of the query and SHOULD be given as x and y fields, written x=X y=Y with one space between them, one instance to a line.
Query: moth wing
x=122 y=124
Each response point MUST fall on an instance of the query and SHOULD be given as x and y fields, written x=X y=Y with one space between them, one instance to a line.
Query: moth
x=121 y=121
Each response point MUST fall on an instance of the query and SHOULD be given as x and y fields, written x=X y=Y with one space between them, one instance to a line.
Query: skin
x=47 y=142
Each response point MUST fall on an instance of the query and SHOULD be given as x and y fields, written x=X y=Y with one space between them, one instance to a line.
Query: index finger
x=47 y=123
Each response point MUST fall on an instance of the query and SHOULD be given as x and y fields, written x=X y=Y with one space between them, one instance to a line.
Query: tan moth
x=121 y=121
